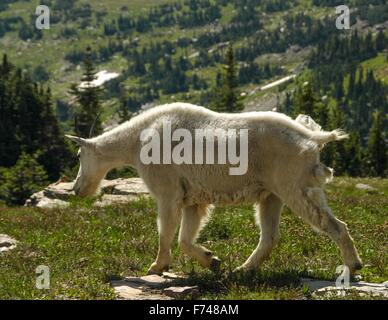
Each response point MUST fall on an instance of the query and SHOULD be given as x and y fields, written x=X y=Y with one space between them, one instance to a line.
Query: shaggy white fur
x=283 y=168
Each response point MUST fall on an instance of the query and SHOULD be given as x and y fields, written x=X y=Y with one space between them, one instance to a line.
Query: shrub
x=23 y=179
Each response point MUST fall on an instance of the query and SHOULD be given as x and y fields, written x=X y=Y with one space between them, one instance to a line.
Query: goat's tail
x=323 y=137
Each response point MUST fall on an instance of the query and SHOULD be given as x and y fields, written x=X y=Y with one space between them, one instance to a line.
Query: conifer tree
x=88 y=109
x=381 y=41
x=353 y=155
x=333 y=153
x=28 y=123
x=55 y=154
x=227 y=96
x=304 y=100
x=9 y=140
x=352 y=82
x=377 y=147
x=123 y=111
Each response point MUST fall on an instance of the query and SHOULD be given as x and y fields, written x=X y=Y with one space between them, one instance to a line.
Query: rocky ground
x=155 y=287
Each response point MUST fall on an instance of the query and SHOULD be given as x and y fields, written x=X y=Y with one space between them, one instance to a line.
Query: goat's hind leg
x=268 y=217
x=193 y=219
x=312 y=206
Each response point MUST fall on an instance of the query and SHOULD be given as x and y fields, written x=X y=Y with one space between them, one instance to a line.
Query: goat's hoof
x=152 y=272
x=154 y=269
x=215 y=265
x=244 y=270
x=239 y=270
x=355 y=266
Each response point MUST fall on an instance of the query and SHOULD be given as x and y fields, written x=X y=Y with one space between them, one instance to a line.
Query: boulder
x=61 y=191
x=113 y=191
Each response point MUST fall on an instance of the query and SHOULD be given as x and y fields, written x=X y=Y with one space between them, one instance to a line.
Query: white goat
x=283 y=168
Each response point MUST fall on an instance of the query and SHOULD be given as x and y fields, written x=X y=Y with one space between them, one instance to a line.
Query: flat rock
x=182 y=292
x=151 y=287
x=131 y=291
x=7 y=243
x=321 y=288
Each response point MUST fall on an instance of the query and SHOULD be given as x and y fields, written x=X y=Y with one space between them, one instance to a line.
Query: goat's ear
x=79 y=141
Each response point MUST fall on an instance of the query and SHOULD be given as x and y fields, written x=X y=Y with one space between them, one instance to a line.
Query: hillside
x=138 y=39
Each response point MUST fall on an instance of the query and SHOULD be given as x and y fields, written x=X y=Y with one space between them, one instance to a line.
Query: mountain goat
x=283 y=168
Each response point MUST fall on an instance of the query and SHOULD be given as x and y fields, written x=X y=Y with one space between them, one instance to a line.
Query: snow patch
x=101 y=78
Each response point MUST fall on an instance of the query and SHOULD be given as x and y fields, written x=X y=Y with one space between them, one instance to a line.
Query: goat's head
x=92 y=169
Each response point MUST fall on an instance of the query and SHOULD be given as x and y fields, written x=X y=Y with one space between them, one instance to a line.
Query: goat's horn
x=93 y=125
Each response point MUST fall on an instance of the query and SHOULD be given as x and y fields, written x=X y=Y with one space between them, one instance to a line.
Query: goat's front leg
x=168 y=218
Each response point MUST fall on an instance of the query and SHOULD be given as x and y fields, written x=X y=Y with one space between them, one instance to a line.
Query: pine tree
x=88 y=111
x=380 y=41
x=353 y=155
x=55 y=154
x=9 y=139
x=28 y=123
x=227 y=96
x=123 y=112
x=287 y=104
x=352 y=82
x=333 y=154
x=377 y=147
x=304 y=100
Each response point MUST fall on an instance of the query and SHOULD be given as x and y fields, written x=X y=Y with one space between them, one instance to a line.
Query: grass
x=85 y=247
